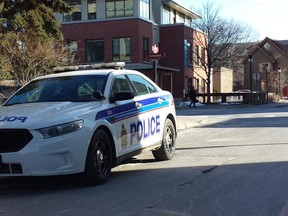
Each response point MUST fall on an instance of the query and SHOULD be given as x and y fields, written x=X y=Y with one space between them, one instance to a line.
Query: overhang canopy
x=142 y=66
x=180 y=8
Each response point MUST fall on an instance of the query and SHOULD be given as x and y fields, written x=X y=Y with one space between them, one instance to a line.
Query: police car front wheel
x=99 y=159
x=167 y=149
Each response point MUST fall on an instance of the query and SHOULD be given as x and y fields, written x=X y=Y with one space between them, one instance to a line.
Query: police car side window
x=121 y=84
x=141 y=85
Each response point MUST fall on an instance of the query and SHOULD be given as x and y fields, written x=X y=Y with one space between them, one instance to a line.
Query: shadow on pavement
x=218 y=109
x=258 y=189
x=250 y=122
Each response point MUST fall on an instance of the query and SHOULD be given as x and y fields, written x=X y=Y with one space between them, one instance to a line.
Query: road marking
x=226 y=139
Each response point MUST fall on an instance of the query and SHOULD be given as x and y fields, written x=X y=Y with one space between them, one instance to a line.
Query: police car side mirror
x=120 y=96
x=98 y=95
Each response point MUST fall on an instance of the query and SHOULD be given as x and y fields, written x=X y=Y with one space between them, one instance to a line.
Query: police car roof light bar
x=115 y=65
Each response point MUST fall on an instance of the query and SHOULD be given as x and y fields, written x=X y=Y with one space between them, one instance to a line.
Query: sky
x=267 y=17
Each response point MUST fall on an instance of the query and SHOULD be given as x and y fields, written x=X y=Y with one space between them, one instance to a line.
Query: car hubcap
x=169 y=140
x=101 y=158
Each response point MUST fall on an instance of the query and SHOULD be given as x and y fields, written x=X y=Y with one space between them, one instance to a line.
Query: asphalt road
x=235 y=163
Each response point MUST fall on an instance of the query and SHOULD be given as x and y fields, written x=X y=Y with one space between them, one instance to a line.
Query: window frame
x=76 y=15
x=145 y=9
x=166 y=15
x=116 y=51
x=188 y=55
x=203 y=56
x=115 y=11
x=196 y=55
x=95 y=52
x=145 y=49
x=90 y=14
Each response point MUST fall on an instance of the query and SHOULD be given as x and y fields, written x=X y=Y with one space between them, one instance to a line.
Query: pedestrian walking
x=192 y=94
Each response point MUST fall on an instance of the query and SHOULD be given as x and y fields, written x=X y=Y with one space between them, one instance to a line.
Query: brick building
x=126 y=30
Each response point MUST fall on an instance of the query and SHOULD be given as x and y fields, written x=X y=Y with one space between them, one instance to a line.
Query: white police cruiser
x=85 y=121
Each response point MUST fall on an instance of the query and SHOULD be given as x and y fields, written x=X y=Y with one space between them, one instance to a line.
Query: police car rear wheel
x=167 y=149
x=99 y=159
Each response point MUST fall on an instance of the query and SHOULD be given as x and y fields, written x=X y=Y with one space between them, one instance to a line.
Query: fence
x=236 y=97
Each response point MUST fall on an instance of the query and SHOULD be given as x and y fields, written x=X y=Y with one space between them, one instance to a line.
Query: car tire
x=167 y=149
x=99 y=159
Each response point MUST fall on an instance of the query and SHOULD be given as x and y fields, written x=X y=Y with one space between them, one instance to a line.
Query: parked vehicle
x=85 y=121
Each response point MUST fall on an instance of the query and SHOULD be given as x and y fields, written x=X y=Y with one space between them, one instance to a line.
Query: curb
x=183 y=123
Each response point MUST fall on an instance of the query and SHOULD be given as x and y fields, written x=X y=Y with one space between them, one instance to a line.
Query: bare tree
x=223 y=38
x=30 y=38
x=26 y=57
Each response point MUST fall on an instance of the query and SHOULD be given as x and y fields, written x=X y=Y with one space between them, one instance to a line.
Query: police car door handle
x=138 y=105
x=160 y=100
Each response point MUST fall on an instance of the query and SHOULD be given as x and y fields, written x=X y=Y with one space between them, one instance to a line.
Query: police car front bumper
x=59 y=155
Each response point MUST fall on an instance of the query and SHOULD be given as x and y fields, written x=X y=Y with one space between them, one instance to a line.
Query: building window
x=202 y=85
x=196 y=84
x=187 y=54
x=77 y=8
x=94 y=51
x=181 y=18
x=188 y=22
x=264 y=67
x=145 y=49
x=119 y=8
x=189 y=83
x=145 y=9
x=267 y=46
x=91 y=9
x=203 y=59
x=121 y=49
x=166 y=15
x=174 y=16
x=73 y=46
x=196 y=55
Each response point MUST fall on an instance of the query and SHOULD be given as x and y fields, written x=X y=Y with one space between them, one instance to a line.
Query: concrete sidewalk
x=188 y=117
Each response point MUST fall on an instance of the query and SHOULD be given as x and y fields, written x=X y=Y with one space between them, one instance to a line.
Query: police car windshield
x=66 y=88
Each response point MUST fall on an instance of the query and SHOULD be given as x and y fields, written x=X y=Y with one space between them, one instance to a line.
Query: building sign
x=155 y=49
x=156 y=55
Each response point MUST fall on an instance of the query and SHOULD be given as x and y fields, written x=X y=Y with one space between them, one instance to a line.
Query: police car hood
x=39 y=115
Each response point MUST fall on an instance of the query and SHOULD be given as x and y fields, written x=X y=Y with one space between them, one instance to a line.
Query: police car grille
x=13 y=140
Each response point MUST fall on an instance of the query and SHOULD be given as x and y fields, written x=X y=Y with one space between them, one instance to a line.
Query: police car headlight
x=62 y=129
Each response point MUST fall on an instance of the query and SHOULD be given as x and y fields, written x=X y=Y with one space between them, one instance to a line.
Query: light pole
x=279 y=73
x=266 y=72
x=250 y=60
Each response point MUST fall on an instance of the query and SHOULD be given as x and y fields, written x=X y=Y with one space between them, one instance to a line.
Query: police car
x=87 y=121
